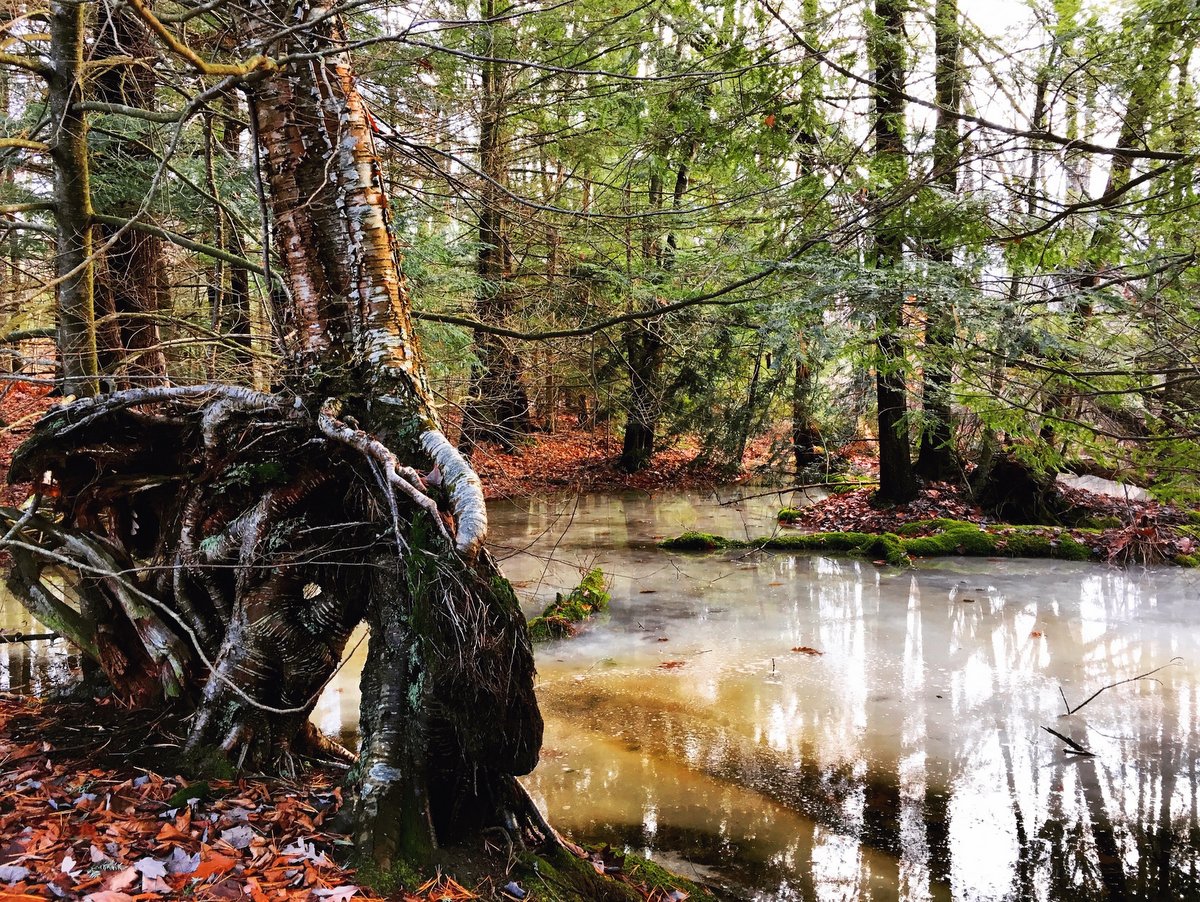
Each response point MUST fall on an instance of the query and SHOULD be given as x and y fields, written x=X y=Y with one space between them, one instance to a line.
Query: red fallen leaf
x=769 y=120
x=1036 y=634
x=671 y=665
x=171 y=833
x=121 y=880
x=212 y=863
x=806 y=650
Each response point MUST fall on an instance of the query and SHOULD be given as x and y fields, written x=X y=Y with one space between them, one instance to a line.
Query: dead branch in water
x=1141 y=676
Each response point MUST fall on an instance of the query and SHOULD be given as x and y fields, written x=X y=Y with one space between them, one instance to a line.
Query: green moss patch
x=698 y=541
x=563 y=616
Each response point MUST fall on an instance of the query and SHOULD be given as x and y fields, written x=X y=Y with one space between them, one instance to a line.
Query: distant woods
x=956 y=237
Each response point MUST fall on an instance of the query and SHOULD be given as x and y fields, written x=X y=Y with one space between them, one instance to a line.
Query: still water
x=906 y=760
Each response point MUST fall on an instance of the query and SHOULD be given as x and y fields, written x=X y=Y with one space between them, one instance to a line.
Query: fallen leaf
x=239 y=837
x=337 y=893
x=671 y=665
x=150 y=867
x=11 y=873
x=121 y=880
x=806 y=650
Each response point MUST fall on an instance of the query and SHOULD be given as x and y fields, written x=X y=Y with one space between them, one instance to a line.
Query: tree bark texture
x=74 y=275
x=936 y=458
x=225 y=542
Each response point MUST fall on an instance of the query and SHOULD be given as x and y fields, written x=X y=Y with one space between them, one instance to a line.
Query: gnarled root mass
x=213 y=547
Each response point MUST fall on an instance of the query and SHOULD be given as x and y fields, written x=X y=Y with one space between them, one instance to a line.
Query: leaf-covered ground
x=572 y=459
x=76 y=824
x=83 y=817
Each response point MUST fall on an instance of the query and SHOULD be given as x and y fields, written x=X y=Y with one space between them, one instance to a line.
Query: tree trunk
x=264 y=528
x=73 y=271
x=645 y=340
x=131 y=283
x=499 y=407
x=806 y=437
x=232 y=298
x=897 y=482
x=936 y=459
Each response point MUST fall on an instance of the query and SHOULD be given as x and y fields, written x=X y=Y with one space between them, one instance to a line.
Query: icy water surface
x=907 y=760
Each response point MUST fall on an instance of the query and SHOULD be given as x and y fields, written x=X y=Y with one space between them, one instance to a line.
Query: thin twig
x=1141 y=676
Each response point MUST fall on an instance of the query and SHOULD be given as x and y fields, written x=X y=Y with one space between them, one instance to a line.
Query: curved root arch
x=226 y=542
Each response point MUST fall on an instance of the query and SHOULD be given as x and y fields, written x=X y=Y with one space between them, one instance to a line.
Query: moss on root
x=926 y=538
x=562 y=617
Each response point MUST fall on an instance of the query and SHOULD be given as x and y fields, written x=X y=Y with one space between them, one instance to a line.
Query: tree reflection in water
x=906 y=761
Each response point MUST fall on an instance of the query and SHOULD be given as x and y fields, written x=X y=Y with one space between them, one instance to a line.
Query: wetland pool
x=818 y=727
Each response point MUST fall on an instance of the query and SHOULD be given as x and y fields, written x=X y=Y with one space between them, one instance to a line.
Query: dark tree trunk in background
x=75 y=290
x=498 y=410
x=897 y=482
x=645 y=341
x=936 y=459
x=806 y=437
x=234 y=300
x=131 y=279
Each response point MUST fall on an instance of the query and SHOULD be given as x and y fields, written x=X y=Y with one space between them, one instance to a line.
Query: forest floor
x=92 y=806
x=573 y=459
x=92 y=809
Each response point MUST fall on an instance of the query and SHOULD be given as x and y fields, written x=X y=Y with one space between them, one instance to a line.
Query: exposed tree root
x=216 y=546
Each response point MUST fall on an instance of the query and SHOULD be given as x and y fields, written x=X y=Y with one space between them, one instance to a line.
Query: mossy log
x=927 y=538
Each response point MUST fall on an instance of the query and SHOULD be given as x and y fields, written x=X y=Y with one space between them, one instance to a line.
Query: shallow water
x=907 y=760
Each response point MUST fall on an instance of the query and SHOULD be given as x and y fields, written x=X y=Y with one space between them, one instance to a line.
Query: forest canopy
x=688 y=219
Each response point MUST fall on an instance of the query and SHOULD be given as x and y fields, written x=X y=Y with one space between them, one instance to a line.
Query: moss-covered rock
x=563 y=616
x=699 y=541
x=957 y=537
x=888 y=546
